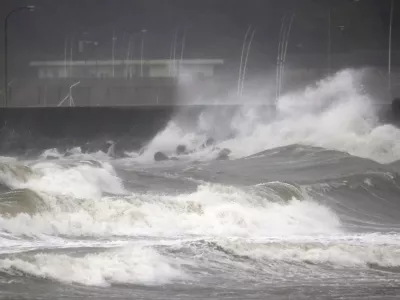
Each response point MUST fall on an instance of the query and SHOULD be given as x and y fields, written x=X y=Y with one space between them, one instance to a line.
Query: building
x=125 y=69
x=110 y=83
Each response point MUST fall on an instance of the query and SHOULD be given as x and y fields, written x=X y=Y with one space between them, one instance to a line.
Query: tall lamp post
x=114 y=38
x=141 y=52
x=29 y=8
x=329 y=41
x=390 y=47
x=130 y=52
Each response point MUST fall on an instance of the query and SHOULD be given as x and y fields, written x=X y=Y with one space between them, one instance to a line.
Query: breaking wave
x=77 y=205
x=289 y=205
x=335 y=114
x=131 y=265
x=339 y=253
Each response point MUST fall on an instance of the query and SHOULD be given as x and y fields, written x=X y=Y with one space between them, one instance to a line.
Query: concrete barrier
x=42 y=128
x=38 y=128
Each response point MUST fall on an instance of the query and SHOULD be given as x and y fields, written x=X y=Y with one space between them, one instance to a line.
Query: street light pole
x=114 y=38
x=141 y=53
x=29 y=8
x=131 y=52
x=329 y=41
x=390 y=47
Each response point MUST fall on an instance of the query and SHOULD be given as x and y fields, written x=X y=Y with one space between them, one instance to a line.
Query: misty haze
x=210 y=149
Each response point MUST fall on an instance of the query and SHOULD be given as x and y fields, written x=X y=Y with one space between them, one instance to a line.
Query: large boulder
x=160 y=156
x=209 y=142
x=224 y=154
x=396 y=108
x=181 y=149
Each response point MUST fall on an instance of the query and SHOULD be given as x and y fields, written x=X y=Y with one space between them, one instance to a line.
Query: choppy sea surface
x=306 y=207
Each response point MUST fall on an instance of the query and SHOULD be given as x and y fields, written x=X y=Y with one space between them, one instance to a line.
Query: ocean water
x=307 y=207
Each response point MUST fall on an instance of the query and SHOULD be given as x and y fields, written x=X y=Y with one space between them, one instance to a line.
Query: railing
x=69 y=96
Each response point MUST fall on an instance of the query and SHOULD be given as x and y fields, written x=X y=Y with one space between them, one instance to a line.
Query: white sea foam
x=131 y=265
x=80 y=180
x=51 y=153
x=340 y=253
x=212 y=210
x=335 y=113
x=168 y=139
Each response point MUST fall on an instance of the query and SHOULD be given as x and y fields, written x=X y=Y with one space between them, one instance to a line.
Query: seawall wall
x=39 y=128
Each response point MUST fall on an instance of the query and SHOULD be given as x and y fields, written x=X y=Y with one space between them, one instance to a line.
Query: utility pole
x=114 y=38
x=141 y=52
x=390 y=47
x=329 y=41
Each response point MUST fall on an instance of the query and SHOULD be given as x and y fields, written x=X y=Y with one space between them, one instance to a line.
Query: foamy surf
x=336 y=113
x=286 y=210
x=131 y=265
x=213 y=210
x=345 y=254
x=73 y=179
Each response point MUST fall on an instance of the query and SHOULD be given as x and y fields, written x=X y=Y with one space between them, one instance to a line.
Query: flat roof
x=61 y=63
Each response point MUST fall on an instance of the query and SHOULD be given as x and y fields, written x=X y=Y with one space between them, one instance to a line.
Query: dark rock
x=51 y=157
x=181 y=149
x=160 y=156
x=396 y=107
x=224 y=154
x=209 y=142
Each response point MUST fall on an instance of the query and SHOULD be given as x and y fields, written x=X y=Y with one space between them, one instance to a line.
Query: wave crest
x=131 y=265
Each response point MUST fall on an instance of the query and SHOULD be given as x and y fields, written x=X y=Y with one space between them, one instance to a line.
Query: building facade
x=110 y=83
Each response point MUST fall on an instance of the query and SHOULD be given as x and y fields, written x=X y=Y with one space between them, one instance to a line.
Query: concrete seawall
x=85 y=122
x=49 y=127
x=94 y=92
x=39 y=128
